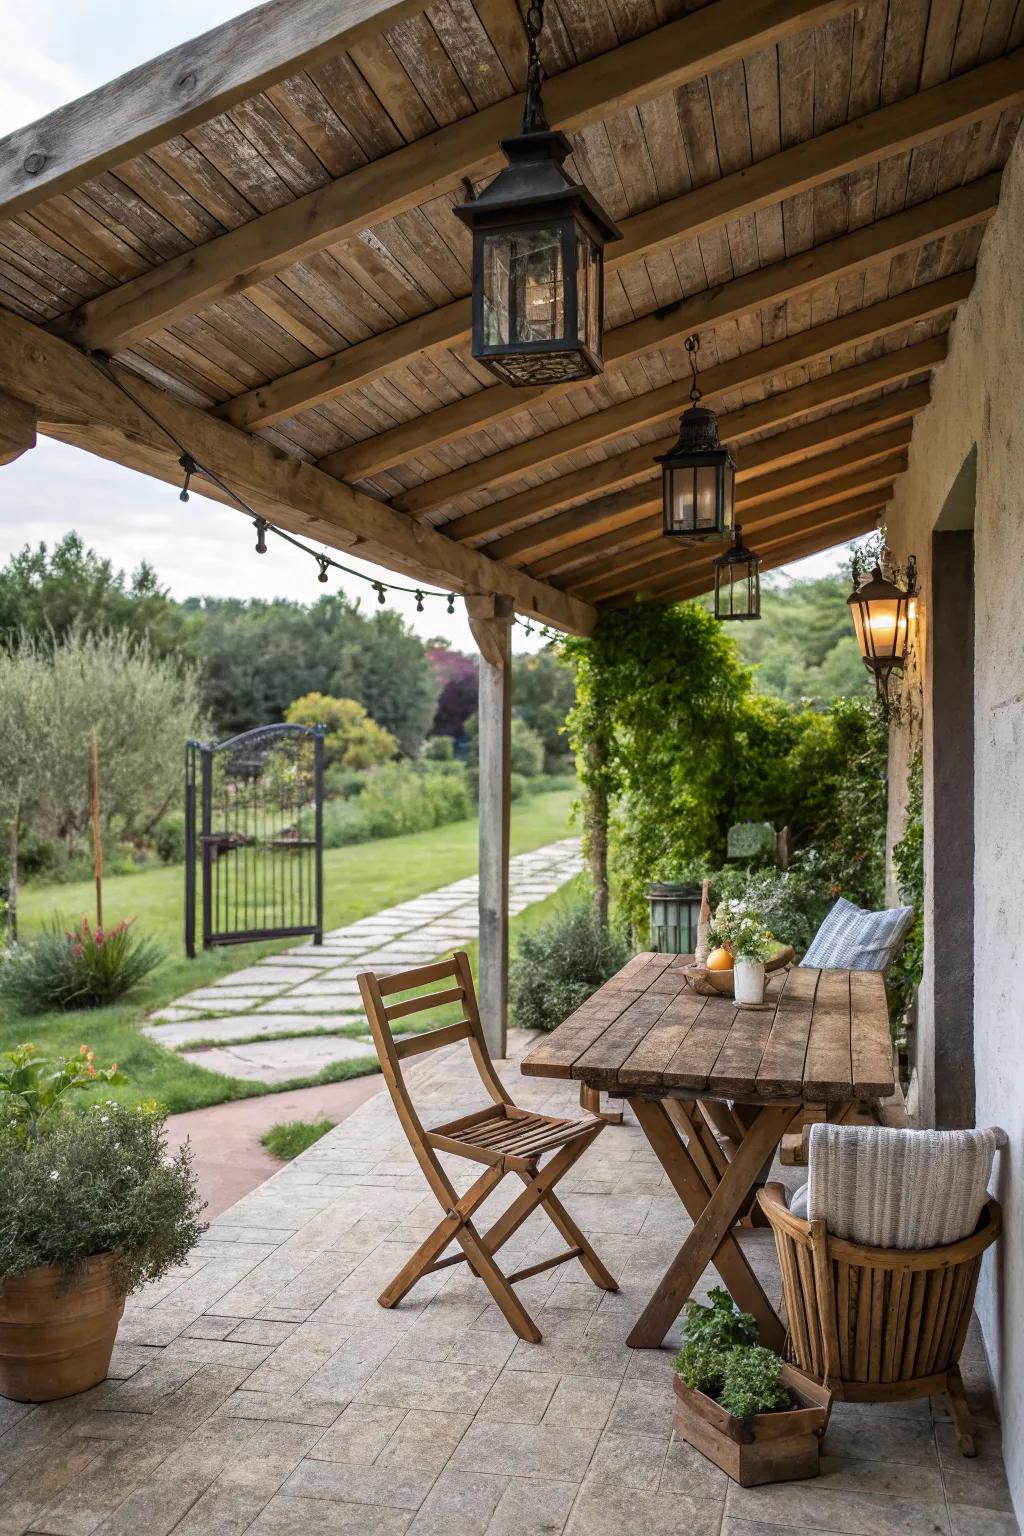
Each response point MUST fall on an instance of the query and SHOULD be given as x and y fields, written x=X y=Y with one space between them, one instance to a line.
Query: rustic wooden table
x=691 y=1066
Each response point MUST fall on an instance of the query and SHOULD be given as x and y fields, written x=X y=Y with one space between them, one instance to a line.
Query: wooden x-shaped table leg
x=713 y=1210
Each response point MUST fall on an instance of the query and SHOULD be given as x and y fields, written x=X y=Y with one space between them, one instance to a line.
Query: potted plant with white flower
x=93 y=1206
x=740 y=929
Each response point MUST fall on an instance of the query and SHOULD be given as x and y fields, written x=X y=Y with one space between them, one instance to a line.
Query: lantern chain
x=534 y=120
x=693 y=347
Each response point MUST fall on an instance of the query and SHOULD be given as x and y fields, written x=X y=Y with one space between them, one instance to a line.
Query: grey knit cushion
x=851 y=939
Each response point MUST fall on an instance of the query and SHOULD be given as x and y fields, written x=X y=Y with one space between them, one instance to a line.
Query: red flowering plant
x=32 y=1087
x=82 y=967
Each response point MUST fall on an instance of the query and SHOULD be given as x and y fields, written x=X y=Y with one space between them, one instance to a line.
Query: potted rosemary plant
x=93 y=1207
x=742 y=1406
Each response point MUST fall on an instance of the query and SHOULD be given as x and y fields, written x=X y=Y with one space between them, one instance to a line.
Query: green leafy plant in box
x=721 y=1357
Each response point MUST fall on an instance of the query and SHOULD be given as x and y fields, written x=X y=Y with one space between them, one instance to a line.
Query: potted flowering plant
x=740 y=928
x=93 y=1207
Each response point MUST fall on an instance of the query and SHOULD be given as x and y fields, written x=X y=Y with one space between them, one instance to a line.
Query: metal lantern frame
x=534 y=194
x=738 y=570
x=882 y=611
x=698 y=475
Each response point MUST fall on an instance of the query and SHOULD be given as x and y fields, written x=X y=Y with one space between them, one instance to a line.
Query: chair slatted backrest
x=381 y=1014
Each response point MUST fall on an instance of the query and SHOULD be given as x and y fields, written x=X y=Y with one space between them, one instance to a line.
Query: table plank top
x=822 y=1036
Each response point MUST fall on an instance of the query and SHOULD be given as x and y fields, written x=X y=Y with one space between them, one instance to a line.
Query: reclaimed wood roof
x=260 y=225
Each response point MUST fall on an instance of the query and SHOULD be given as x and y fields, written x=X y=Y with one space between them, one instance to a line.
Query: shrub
x=527 y=749
x=559 y=965
x=99 y=1181
x=169 y=838
x=517 y=786
x=352 y=739
x=721 y=1357
x=82 y=968
x=343 y=783
x=439 y=749
x=398 y=798
x=793 y=903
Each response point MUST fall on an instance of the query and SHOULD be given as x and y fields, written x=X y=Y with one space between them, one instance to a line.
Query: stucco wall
x=978 y=400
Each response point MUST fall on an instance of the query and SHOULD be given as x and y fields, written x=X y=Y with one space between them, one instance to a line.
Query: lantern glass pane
x=588 y=292
x=523 y=286
x=680 y=487
x=707 y=478
x=729 y=496
x=885 y=626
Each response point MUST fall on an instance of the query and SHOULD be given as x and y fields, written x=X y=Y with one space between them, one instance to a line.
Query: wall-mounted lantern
x=738 y=581
x=538 y=254
x=882 y=615
x=698 y=475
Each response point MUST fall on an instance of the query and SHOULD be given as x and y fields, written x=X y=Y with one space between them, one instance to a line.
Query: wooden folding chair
x=503 y=1137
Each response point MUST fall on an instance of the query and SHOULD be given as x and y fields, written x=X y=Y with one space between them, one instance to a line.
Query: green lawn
x=357 y=881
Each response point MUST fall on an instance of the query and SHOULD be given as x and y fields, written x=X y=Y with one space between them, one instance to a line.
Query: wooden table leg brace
x=713 y=1211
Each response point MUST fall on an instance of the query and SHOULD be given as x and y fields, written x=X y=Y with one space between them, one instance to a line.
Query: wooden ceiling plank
x=62 y=384
x=765 y=286
x=183 y=87
x=776 y=411
x=856 y=327
x=435 y=164
x=628 y=515
x=626 y=570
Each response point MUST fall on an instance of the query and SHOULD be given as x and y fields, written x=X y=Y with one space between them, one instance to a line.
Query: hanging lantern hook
x=534 y=120
x=693 y=347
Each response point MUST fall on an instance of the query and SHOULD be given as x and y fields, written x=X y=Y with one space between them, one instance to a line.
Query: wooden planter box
x=772 y=1448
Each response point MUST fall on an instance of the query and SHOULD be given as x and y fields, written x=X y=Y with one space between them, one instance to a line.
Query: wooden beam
x=624 y=513
x=187 y=85
x=805 y=347
x=760 y=289
x=760 y=416
x=61 y=384
x=632 y=567
x=624 y=78
x=969 y=98
x=825 y=537
x=17 y=428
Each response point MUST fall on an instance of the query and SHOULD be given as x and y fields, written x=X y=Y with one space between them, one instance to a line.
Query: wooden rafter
x=659 y=61
x=65 y=387
x=756 y=290
x=624 y=515
x=632 y=568
x=183 y=87
x=762 y=415
x=897 y=128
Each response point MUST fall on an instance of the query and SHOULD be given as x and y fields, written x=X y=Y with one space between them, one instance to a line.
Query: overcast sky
x=53 y=51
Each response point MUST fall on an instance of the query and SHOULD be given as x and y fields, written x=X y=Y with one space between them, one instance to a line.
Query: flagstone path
x=293 y=1013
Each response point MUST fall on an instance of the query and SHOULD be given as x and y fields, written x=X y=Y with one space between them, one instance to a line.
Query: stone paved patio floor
x=312 y=988
x=262 y=1390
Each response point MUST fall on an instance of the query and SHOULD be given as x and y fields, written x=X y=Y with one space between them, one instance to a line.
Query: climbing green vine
x=908 y=867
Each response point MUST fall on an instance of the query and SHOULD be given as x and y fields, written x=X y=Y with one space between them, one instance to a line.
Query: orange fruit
x=720 y=960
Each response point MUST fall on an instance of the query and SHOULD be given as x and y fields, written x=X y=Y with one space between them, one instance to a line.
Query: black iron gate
x=254 y=836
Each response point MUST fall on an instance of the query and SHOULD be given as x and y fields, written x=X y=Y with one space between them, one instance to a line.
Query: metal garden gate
x=254 y=836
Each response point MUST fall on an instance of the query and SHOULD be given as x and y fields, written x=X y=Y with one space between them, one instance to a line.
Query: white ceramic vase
x=748 y=981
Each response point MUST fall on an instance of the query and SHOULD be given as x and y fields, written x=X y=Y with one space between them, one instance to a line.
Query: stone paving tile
x=277 y=1061
x=286 y=1515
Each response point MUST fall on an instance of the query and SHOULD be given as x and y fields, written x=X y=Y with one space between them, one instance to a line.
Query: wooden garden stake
x=94 y=811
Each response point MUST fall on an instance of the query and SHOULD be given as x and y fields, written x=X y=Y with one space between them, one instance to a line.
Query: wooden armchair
x=879 y=1324
x=506 y=1139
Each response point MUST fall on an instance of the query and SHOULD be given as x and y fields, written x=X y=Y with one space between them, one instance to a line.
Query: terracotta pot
x=57 y=1340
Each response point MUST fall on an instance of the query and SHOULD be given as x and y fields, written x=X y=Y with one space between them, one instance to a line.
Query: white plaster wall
x=978 y=398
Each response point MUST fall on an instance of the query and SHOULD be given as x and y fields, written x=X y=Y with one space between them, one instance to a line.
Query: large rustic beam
x=62 y=385
x=760 y=289
x=825 y=536
x=901 y=126
x=623 y=516
x=762 y=415
x=634 y=568
x=185 y=86
x=658 y=405
x=17 y=428
x=650 y=65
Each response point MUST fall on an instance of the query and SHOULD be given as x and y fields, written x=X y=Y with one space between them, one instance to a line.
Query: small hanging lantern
x=698 y=476
x=538 y=262
x=738 y=581
x=881 y=620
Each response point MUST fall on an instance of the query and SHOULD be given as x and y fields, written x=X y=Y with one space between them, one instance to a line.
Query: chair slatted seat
x=505 y=1138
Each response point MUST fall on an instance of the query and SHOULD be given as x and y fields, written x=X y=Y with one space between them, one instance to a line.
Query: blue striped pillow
x=851 y=939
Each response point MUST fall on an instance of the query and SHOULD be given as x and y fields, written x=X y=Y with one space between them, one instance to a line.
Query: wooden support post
x=490 y=619
x=17 y=428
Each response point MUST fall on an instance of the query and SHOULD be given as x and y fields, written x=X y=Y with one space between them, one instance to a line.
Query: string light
x=190 y=467
x=323 y=568
x=260 y=524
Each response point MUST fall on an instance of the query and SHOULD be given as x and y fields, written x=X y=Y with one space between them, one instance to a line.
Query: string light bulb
x=323 y=562
x=261 y=535
x=190 y=467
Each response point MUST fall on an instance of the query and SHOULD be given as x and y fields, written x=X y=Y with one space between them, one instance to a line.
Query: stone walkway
x=262 y=1390
x=262 y=1023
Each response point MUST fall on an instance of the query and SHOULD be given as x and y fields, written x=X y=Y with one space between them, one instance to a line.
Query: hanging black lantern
x=738 y=581
x=882 y=612
x=538 y=262
x=698 y=476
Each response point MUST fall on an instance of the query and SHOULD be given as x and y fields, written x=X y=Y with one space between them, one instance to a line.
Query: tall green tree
x=543 y=692
x=803 y=648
